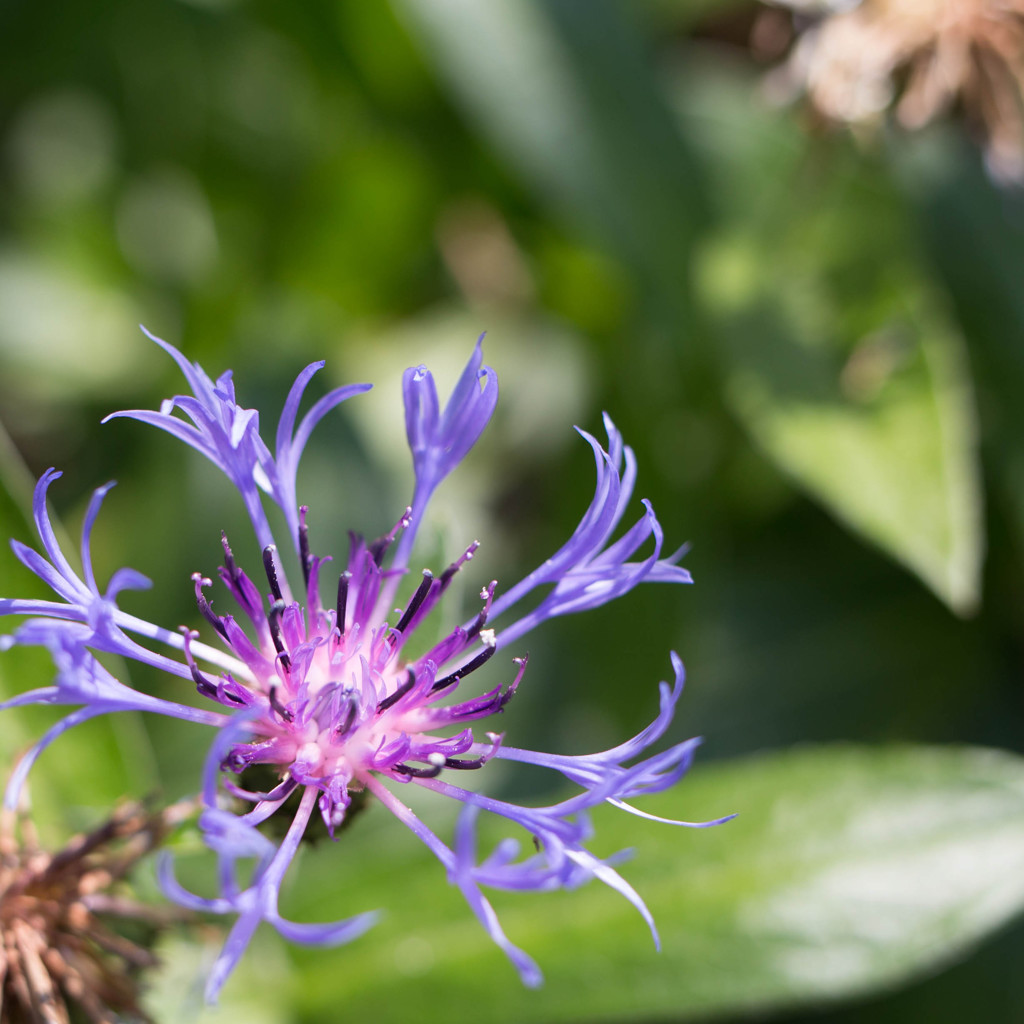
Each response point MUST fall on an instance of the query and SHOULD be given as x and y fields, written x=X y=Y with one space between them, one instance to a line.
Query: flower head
x=55 y=950
x=311 y=679
x=921 y=57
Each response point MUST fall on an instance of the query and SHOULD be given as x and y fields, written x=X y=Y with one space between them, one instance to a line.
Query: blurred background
x=781 y=248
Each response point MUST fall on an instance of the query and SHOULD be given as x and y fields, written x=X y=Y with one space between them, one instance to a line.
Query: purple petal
x=177 y=893
x=602 y=872
x=422 y=409
x=334 y=933
x=126 y=579
x=74 y=593
x=95 y=503
x=235 y=945
x=45 y=529
x=42 y=695
x=670 y=821
x=290 y=443
x=185 y=432
x=584 y=571
x=226 y=738
x=440 y=441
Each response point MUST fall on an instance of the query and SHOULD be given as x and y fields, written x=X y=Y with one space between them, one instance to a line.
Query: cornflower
x=322 y=694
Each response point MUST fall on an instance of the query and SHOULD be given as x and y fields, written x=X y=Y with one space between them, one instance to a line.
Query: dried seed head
x=62 y=954
x=919 y=58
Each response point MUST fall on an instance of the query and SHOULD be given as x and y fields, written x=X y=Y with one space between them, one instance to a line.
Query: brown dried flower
x=57 y=949
x=920 y=58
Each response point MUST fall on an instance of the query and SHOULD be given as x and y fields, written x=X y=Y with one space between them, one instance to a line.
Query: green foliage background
x=814 y=345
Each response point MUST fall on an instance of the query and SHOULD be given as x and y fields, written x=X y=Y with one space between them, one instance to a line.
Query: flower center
x=329 y=697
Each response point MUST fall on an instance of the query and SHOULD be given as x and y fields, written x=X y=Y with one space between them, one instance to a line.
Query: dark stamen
x=233 y=697
x=208 y=688
x=476 y=762
x=419 y=773
x=417 y=600
x=208 y=613
x=235 y=761
x=277 y=706
x=472 y=666
x=343 y=581
x=229 y=559
x=350 y=715
x=480 y=707
x=203 y=685
x=240 y=584
x=380 y=546
x=304 y=554
x=274 y=618
x=446 y=577
x=271 y=570
x=392 y=699
x=478 y=624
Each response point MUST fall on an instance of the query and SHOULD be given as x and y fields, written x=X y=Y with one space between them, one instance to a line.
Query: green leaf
x=566 y=92
x=848 y=870
x=975 y=235
x=885 y=438
x=839 y=352
x=257 y=995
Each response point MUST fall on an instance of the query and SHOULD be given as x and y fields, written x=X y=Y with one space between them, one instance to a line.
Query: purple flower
x=321 y=693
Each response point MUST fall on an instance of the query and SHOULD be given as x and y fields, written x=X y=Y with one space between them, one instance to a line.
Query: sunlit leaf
x=975 y=234
x=91 y=766
x=840 y=354
x=259 y=993
x=848 y=870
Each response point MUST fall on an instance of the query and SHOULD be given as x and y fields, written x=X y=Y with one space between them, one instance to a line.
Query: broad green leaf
x=839 y=353
x=848 y=870
x=885 y=436
x=975 y=234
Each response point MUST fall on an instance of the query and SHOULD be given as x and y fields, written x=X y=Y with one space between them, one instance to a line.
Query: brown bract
x=60 y=949
x=919 y=58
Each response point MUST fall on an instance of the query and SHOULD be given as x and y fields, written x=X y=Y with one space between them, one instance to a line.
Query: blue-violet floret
x=321 y=692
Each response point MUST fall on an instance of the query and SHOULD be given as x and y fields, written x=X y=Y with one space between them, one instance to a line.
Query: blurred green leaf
x=566 y=92
x=849 y=869
x=257 y=995
x=885 y=439
x=840 y=355
x=975 y=234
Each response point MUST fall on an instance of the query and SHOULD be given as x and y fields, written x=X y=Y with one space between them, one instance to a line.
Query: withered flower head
x=919 y=58
x=60 y=947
